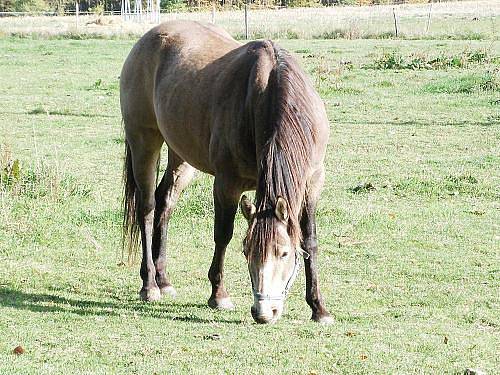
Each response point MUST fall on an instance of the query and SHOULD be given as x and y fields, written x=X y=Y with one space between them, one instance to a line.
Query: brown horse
x=246 y=114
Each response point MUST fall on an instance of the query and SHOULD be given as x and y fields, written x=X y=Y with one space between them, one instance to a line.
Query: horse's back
x=166 y=43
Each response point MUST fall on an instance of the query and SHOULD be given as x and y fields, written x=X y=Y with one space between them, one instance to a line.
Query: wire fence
x=458 y=20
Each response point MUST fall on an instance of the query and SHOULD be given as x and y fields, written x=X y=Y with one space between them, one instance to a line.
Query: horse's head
x=272 y=256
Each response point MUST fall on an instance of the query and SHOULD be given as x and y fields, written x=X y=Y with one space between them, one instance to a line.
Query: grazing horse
x=249 y=116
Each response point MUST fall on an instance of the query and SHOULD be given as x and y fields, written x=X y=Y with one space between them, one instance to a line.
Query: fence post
x=246 y=21
x=158 y=11
x=77 y=12
x=395 y=21
x=213 y=13
x=428 y=19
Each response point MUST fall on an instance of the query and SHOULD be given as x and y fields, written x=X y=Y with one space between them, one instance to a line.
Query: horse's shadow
x=47 y=303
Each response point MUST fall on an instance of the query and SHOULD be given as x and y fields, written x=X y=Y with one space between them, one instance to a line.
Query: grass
x=409 y=266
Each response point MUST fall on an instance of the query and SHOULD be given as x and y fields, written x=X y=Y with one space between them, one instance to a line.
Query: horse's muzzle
x=267 y=311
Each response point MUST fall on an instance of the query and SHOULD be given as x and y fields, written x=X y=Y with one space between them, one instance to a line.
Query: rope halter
x=279 y=297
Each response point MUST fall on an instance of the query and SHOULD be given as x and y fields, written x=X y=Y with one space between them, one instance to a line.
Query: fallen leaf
x=350 y=334
x=473 y=371
x=213 y=336
x=19 y=350
x=363 y=357
x=392 y=216
x=362 y=187
x=477 y=212
x=445 y=340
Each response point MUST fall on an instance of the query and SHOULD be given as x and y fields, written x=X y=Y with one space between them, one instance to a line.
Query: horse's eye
x=284 y=255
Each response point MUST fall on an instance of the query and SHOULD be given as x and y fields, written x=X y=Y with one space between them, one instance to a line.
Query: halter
x=269 y=297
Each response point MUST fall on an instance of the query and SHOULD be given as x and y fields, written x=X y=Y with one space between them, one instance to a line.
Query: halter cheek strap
x=279 y=297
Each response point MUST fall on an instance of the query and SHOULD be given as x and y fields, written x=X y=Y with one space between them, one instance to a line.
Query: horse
x=249 y=116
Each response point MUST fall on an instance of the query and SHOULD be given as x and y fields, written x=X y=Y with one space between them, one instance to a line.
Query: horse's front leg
x=310 y=245
x=226 y=198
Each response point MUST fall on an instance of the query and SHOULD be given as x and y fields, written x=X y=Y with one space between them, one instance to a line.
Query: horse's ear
x=248 y=209
x=281 y=210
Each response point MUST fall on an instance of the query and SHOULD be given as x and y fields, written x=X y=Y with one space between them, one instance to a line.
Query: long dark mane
x=286 y=156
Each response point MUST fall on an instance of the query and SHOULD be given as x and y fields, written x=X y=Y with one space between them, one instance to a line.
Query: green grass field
x=409 y=268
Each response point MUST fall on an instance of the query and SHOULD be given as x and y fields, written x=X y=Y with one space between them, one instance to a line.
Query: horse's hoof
x=323 y=319
x=150 y=295
x=221 y=303
x=168 y=291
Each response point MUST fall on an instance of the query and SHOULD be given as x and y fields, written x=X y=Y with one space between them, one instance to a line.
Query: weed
x=291 y=34
x=97 y=84
x=389 y=60
x=384 y=84
x=100 y=85
x=38 y=110
x=36 y=182
x=329 y=80
x=351 y=32
x=451 y=185
x=415 y=61
x=465 y=84
x=9 y=167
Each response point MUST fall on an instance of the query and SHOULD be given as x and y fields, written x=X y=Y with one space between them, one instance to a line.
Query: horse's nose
x=261 y=317
x=265 y=314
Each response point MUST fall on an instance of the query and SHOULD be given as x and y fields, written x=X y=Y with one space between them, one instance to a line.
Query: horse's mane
x=285 y=157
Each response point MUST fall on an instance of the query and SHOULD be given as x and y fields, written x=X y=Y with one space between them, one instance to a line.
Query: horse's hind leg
x=145 y=145
x=177 y=176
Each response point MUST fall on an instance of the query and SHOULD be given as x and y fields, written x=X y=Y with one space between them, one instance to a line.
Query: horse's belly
x=189 y=143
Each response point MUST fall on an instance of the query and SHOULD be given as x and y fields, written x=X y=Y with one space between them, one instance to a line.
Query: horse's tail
x=130 y=233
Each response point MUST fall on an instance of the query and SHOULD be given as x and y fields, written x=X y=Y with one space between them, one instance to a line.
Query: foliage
x=25 y=6
x=303 y=3
x=173 y=5
x=98 y=10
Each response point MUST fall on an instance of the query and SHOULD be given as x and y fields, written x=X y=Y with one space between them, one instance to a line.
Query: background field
x=450 y=20
x=409 y=269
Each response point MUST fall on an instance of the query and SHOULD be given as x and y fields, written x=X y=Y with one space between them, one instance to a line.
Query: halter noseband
x=280 y=297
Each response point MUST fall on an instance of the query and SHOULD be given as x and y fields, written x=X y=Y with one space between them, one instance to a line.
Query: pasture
x=408 y=222
x=464 y=20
